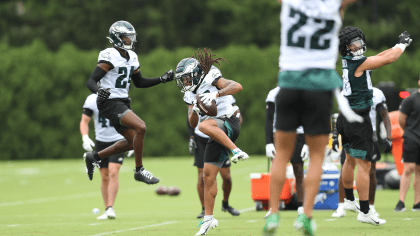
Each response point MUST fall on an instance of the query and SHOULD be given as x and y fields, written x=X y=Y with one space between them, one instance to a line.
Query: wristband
x=400 y=45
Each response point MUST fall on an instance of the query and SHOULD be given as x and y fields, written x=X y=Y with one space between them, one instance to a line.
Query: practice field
x=56 y=198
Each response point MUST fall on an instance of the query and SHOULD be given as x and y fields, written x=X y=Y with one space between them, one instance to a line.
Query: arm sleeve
x=88 y=112
x=190 y=129
x=142 y=82
x=94 y=78
x=269 y=117
x=381 y=106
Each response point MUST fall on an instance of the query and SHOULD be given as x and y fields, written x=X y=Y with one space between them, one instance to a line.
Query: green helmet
x=189 y=74
x=118 y=30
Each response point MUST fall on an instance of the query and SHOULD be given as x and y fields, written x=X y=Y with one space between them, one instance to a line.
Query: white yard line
x=142 y=227
x=247 y=209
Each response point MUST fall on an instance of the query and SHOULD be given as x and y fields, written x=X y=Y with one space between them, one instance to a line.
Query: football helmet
x=121 y=32
x=352 y=41
x=189 y=74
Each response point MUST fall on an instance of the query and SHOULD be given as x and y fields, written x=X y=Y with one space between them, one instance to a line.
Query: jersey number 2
x=120 y=83
x=329 y=25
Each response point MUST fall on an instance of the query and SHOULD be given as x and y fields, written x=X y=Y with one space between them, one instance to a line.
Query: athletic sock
x=364 y=206
x=340 y=205
x=203 y=208
x=349 y=194
x=300 y=204
x=138 y=168
x=225 y=204
x=209 y=217
x=96 y=156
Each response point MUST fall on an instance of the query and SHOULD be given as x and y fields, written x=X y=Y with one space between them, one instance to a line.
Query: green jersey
x=358 y=90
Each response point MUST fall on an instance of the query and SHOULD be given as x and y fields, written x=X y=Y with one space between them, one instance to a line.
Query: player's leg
x=416 y=185
x=362 y=183
x=133 y=122
x=199 y=163
x=211 y=128
x=119 y=146
x=348 y=179
x=200 y=190
x=227 y=188
x=114 y=166
x=297 y=165
x=372 y=175
x=408 y=171
x=340 y=212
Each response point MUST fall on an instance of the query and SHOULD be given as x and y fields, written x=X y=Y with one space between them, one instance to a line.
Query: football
x=173 y=191
x=162 y=190
x=206 y=109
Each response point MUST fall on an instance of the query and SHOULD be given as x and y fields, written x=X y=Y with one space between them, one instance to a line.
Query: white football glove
x=304 y=154
x=207 y=98
x=87 y=143
x=345 y=108
x=130 y=153
x=270 y=150
x=195 y=108
x=238 y=154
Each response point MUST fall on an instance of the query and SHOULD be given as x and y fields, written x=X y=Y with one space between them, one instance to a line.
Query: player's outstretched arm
x=386 y=57
x=142 y=82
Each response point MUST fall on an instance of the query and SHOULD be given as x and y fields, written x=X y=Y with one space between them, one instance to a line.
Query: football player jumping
x=117 y=67
x=197 y=76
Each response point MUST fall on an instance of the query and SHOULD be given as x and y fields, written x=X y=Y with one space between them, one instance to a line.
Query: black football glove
x=192 y=145
x=387 y=145
x=104 y=93
x=335 y=143
x=167 y=77
x=404 y=38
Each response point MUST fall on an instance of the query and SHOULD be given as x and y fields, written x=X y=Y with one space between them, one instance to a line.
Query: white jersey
x=271 y=97
x=309 y=34
x=119 y=77
x=378 y=97
x=224 y=105
x=104 y=132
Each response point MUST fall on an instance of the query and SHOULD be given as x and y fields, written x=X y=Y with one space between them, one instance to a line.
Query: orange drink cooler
x=397 y=141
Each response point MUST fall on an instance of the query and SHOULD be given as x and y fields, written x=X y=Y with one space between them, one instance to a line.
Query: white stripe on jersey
x=104 y=132
x=119 y=78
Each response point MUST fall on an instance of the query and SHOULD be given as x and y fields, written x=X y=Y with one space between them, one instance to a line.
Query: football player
x=197 y=76
x=379 y=105
x=308 y=80
x=197 y=146
x=357 y=137
x=270 y=150
x=117 y=68
x=105 y=136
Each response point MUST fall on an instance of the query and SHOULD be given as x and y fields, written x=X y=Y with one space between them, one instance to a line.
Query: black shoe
x=416 y=207
x=91 y=163
x=400 y=207
x=201 y=215
x=231 y=210
x=145 y=176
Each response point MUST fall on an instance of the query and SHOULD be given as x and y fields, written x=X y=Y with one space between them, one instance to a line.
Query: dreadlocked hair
x=204 y=57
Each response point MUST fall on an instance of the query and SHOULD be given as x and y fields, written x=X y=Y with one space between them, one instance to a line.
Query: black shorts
x=199 y=152
x=300 y=141
x=114 y=110
x=411 y=151
x=376 y=154
x=118 y=158
x=356 y=138
x=216 y=153
x=311 y=109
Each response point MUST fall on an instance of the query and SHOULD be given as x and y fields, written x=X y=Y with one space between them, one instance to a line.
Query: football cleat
x=145 y=176
x=351 y=205
x=102 y=217
x=206 y=226
x=231 y=210
x=372 y=208
x=340 y=212
x=91 y=163
x=416 y=207
x=271 y=224
x=400 y=206
x=201 y=215
x=111 y=213
x=305 y=225
x=370 y=218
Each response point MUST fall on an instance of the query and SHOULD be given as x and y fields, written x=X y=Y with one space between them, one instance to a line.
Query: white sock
x=340 y=205
x=372 y=206
x=209 y=217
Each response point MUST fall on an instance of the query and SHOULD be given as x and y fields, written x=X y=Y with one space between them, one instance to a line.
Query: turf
x=56 y=198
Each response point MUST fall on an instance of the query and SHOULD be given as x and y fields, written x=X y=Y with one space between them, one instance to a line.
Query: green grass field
x=56 y=198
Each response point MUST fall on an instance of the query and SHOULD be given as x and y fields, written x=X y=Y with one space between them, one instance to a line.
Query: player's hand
x=195 y=108
x=404 y=38
x=304 y=154
x=270 y=150
x=387 y=144
x=167 y=77
x=207 y=98
x=130 y=153
x=345 y=108
x=192 y=145
x=87 y=143
x=104 y=93
x=335 y=143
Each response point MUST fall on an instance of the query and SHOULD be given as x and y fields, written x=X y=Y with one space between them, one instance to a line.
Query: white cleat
x=351 y=205
x=370 y=218
x=340 y=212
x=110 y=213
x=300 y=210
x=102 y=217
x=372 y=208
x=206 y=226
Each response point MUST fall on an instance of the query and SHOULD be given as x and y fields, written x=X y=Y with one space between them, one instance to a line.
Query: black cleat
x=231 y=210
x=201 y=215
x=91 y=163
x=416 y=207
x=400 y=207
x=145 y=176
